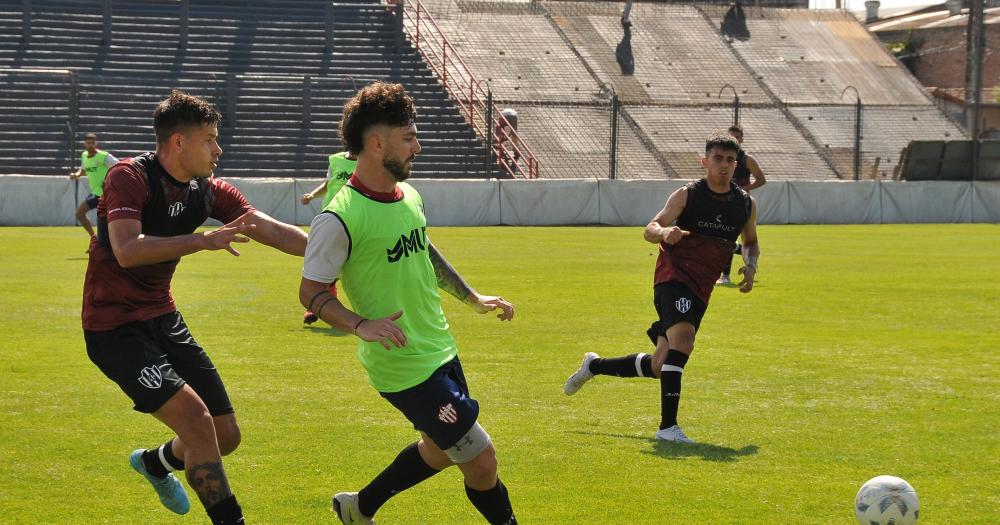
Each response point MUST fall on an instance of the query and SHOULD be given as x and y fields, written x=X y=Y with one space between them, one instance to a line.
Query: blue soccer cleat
x=169 y=489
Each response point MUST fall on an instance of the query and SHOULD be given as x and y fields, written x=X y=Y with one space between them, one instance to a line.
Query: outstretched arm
x=751 y=250
x=276 y=234
x=132 y=248
x=450 y=281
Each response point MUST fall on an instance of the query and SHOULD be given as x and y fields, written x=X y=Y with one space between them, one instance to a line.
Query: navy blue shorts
x=440 y=406
x=92 y=201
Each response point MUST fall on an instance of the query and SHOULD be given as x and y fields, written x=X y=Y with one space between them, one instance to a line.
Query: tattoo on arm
x=210 y=483
x=447 y=277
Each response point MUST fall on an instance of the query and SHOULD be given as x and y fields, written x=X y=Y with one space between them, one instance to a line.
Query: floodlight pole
x=857 y=132
x=974 y=79
x=736 y=103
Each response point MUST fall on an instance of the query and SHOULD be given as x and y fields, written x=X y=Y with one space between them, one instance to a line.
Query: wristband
x=356 y=325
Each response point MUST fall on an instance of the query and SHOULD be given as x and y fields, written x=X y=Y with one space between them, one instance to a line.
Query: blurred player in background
x=746 y=166
x=94 y=164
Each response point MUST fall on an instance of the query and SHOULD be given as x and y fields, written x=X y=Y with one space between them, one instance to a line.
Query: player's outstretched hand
x=306 y=198
x=748 y=273
x=222 y=237
x=384 y=331
x=673 y=235
x=487 y=303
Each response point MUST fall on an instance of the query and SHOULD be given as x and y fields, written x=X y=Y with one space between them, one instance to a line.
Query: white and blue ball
x=886 y=500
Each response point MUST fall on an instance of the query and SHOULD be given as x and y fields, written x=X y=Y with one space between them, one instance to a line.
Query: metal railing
x=475 y=102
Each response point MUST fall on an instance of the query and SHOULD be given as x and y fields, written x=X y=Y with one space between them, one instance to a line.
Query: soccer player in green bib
x=341 y=168
x=94 y=164
x=373 y=237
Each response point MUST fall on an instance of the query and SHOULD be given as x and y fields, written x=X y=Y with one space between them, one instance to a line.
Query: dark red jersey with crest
x=715 y=221
x=139 y=188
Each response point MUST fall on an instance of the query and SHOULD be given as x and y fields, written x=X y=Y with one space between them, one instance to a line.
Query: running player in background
x=94 y=164
x=746 y=166
x=696 y=231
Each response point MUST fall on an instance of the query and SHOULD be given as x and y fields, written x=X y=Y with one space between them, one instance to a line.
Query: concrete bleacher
x=254 y=60
x=886 y=131
x=34 y=128
x=577 y=140
x=553 y=61
x=779 y=148
x=679 y=57
x=811 y=57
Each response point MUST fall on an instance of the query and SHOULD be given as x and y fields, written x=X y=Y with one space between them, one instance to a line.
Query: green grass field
x=863 y=350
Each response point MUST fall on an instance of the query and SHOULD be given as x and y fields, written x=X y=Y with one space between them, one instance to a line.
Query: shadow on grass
x=666 y=449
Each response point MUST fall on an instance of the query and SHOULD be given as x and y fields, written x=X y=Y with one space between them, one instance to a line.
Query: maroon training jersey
x=715 y=221
x=140 y=189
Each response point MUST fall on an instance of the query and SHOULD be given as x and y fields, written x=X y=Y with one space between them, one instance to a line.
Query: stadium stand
x=255 y=60
x=280 y=78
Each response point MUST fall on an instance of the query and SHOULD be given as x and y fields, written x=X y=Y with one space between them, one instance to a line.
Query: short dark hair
x=180 y=111
x=88 y=136
x=736 y=129
x=722 y=140
x=377 y=103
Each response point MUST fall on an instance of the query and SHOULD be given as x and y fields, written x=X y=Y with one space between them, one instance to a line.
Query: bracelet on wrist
x=356 y=325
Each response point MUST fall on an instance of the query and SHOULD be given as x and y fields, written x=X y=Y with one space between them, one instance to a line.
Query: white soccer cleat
x=345 y=506
x=723 y=280
x=674 y=434
x=581 y=376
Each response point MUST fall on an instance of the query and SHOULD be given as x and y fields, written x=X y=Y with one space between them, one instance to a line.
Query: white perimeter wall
x=51 y=201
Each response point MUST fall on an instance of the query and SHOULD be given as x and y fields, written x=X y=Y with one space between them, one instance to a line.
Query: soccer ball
x=886 y=500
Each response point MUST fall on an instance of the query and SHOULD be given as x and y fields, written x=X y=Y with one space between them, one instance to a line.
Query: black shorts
x=151 y=360
x=92 y=201
x=440 y=406
x=675 y=303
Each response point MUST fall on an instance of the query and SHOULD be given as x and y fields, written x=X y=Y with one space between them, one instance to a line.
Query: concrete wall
x=51 y=201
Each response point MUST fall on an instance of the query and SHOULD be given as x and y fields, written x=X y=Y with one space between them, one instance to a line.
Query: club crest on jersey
x=150 y=377
x=175 y=209
x=683 y=305
x=448 y=414
x=413 y=242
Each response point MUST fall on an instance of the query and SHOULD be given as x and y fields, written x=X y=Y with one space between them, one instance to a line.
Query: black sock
x=670 y=387
x=405 y=471
x=493 y=504
x=623 y=366
x=154 y=465
x=226 y=512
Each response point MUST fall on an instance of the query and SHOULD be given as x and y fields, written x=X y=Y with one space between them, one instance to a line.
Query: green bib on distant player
x=95 y=169
x=341 y=169
x=389 y=269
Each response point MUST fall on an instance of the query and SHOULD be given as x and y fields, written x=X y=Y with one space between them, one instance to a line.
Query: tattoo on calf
x=210 y=483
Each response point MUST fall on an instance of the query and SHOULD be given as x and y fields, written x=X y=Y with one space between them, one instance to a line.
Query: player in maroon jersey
x=746 y=167
x=146 y=219
x=696 y=230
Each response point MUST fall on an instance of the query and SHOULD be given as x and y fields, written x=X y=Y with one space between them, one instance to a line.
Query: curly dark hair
x=723 y=140
x=377 y=103
x=181 y=111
